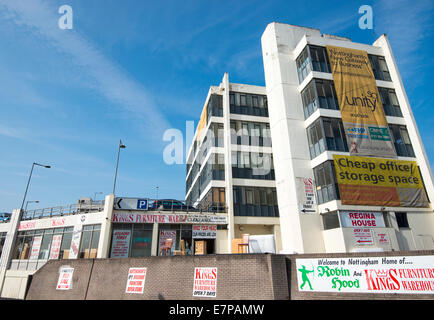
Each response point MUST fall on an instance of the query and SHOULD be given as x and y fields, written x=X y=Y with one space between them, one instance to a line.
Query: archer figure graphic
x=304 y=277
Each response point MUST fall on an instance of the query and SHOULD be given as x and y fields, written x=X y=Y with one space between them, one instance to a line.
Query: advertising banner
x=362 y=111
x=205 y=282
x=137 y=217
x=379 y=182
x=204 y=231
x=56 y=242
x=363 y=237
x=136 y=280
x=120 y=244
x=65 y=278
x=403 y=274
x=36 y=246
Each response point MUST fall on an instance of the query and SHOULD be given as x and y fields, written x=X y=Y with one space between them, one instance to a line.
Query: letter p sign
x=142 y=204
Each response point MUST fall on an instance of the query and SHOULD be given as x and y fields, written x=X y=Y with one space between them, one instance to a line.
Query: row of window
x=315 y=58
x=328 y=134
x=252 y=165
x=250 y=133
x=255 y=201
x=249 y=104
x=41 y=244
x=321 y=93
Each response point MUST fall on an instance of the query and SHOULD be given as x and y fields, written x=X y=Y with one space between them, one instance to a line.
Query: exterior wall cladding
x=256 y=147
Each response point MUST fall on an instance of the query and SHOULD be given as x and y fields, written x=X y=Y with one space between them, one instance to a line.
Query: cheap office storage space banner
x=362 y=111
x=379 y=182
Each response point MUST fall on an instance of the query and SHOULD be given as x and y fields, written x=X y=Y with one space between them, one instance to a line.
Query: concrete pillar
x=154 y=246
x=106 y=228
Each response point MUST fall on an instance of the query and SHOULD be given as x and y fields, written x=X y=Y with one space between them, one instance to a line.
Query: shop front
x=137 y=234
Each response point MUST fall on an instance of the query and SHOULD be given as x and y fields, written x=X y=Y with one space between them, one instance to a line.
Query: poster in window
x=165 y=235
x=36 y=246
x=120 y=244
x=359 y=100
x=56 y=242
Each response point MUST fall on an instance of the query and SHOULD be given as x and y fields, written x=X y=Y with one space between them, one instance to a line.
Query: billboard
x=359 y=100
x=379 y=182
x=397 y=274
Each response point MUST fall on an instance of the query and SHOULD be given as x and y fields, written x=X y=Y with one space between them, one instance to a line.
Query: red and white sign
x=383 y=238
x=204 y=232
x=136 y=280
x=357 y=219
x=363 y=236
x=55 y=246
x=36 y=246
x=138 y=217
x=205 y=282
x=65 y=278
x=120 y=244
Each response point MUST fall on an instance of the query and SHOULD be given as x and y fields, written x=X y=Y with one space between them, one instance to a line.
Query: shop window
x=44 y=250
x=89 y=241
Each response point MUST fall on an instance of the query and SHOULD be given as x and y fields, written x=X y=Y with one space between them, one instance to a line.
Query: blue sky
x=132 y=69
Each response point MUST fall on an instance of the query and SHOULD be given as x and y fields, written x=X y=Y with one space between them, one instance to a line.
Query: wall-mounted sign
x=402 y=274
x=383 y=239
x=136 y=280
x=379 y=182
x=204 y=231
x=137 y=217
x=120 y=244
x=363 y=236
x=65 y=278
x=307 y=200
x=205 y=282
x=131 y=204
x=357 y=219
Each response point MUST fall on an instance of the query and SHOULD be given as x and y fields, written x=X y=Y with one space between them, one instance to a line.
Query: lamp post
x=121 y=146
x=27 y=203
x=28 y=182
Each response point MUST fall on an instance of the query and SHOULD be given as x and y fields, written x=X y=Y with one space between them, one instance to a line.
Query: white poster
x=204 y=231
x=136 y=280
x=36 y=246
x=120 y=244
x=55 y=246
x=402 y=274
x=363 y=236
x=75 y=242
x=205 y=282
x=164 y=235
x=65 y=278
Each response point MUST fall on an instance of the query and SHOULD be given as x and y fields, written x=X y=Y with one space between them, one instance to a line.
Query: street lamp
x=27 y=202
x=121 y=146
x=94 y=196
x=28 y=182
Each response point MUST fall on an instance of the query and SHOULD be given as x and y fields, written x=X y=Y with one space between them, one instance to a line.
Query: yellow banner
x=360 y=104
x=375 y=181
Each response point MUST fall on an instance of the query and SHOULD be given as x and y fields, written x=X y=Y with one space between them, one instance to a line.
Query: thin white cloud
x=109 y=79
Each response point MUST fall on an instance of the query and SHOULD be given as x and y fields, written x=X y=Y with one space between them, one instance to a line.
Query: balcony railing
x=95 y=206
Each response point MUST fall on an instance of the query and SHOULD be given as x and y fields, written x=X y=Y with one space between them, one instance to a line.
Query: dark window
x=390 y=102
x=330 y=220
x=255 y=201
x=401 y=140
x=401 y=219
x=379 y=67
x=319 y=94
x=250 y=104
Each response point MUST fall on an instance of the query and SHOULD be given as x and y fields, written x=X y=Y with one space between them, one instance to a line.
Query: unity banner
x=362 y=111
x=379 y=182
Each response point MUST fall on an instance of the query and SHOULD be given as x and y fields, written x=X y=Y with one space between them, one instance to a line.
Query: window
x=251 y=104
x=401 y=219
x=330 y=220
x=319 y=58
x=379 y=67
x=319 y=94
x=89 y=241
x=303 y=64
x=390 y=102
x=255 y=201
x=326 y=134
x=250 y=133
x=327 y=188
x=401 y=140
x=2 y=241
x=252 y=165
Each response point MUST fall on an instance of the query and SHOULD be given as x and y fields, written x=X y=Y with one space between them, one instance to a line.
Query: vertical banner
x=205 y=282
x=55 y=246
x=36 y=246
x=362 y=111
x=136 y=280
x=120 y=244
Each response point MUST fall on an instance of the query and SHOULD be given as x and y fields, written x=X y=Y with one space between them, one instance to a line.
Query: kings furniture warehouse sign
x=379 y=182
x=362 y=112
x=404 y=274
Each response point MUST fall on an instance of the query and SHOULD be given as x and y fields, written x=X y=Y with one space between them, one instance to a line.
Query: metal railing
x=178 y=205
x=95 y=206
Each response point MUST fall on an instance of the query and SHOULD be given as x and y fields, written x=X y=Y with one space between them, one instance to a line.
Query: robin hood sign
x=362 y=112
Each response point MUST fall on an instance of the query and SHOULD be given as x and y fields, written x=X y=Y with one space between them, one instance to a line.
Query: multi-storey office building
x=339 y=181
x=323 y=91
x=230 y=162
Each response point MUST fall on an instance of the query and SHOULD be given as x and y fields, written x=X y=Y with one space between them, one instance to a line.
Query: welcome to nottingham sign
x=403 y=274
